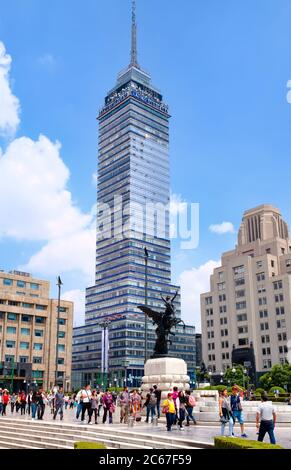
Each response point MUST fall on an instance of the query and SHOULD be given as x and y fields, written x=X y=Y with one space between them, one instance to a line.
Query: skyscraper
x=133 y=264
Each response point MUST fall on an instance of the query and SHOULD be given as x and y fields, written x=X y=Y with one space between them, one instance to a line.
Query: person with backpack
x=158 y=394
x=190 y=404
x=236 y=408
x=150 y=405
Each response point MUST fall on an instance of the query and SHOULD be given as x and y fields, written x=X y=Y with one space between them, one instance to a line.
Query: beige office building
x=28 y=333
x=249 y=304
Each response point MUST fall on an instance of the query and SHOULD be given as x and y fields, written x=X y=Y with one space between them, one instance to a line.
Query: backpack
x=192 y=401
x=153 y=400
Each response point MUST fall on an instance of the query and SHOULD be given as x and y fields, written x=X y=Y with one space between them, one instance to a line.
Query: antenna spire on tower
x=133 y=62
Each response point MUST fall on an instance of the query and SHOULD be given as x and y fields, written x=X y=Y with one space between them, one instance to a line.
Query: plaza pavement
x=204 y=432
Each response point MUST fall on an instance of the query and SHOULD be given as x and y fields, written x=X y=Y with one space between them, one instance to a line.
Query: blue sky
x=223 y=67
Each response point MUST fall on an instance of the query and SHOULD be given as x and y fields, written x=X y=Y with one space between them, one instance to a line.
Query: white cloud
x=9 y=104
x=193 y=283
x=221 y=229
x=78 y=297
x=36 y=205
x=34 y=187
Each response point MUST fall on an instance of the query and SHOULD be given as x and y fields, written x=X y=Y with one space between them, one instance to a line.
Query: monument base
x=166 y=373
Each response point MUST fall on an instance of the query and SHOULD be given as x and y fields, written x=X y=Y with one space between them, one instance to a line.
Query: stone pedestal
x=166 y=373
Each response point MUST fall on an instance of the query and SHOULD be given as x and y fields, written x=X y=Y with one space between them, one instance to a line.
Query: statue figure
x=165 y=322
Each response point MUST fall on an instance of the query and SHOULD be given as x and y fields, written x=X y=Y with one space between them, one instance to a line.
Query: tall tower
x=133 y=264
x=133 y=181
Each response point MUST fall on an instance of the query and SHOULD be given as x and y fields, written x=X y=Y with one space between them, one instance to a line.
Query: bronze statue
x=165 y=322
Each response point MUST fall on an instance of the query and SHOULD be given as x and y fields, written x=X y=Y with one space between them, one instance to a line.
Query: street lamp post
x=146 y=257
x=210 y=376
x=59 y=284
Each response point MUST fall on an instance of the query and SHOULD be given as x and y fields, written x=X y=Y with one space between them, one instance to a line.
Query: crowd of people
x=90 y=405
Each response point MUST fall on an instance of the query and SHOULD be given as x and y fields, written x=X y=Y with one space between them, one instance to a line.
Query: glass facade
x=133 y=195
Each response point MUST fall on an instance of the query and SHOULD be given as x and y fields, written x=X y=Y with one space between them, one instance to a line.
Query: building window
x=39 y=320
x=62 y=321
x=263 y=313
x=9 y=358
x=208 y=300
x=278 y=285
x=34 y=286
x=26 y=305
x=240 y=282
x=12 y=316
x=242 y=329
x=239 y=270
x=23 y=359
x=61 y=361
x=222 y=298
x=242 y=317
x=38 y=333
x=264 y=326
x=61 y=347
x=265 y=339
x=10 y=344
x=38 y=346
x=25 y=331
x=21 y=284
x=280 y=310
x=243 y=341
x=24 y=345
x=261 y=277
x=240 y=293
x=221 y=286
x=259 y=264
x=288 y=263
x=279 y=298
x=241 y=305
x=263 y=301
x=41 y=307
x=11 y=330
x=281 y=324
x=26 y=318
x=7 y=282
x=37 y=374
x=37 y=360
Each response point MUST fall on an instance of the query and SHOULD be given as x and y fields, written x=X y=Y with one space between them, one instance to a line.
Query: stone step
x=105 y=431
x=66 y=439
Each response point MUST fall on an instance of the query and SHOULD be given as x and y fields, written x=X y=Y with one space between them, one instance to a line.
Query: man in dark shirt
x=59 y=403
x=40 y=403
x=158 y=394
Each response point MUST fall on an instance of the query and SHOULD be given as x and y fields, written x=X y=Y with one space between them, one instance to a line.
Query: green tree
x=279 y=376
x=236 y=375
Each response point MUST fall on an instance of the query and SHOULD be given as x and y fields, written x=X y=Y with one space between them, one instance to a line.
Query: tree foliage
x=238 y=377
x=279 y=376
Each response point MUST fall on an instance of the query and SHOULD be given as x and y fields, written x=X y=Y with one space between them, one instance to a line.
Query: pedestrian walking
x=266 y=419
x=40 y=397
x=158 y=394
x=169 y=409
x=12 y=402
x=85 y=399
x=135 y=405
x=108 y=406
x=1 y=401
x=94 y=407
x=34 y=401
x=100 y=395
x=190 y=404
x=150 y=405
x=175 y=394
x=23 y=402
x=236 y=408
x=18 y=402
x=59 y=399
x=225 y=413
x=181 y=409
x=123 y=400
x=29 y=402
x=5 y=401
